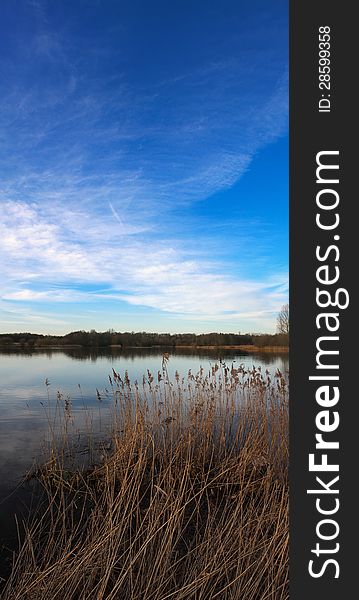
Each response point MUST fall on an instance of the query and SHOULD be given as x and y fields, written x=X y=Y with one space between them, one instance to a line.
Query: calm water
x=77 y=374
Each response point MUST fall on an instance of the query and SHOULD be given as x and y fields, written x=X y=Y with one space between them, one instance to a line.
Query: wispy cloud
x=96 y=168
x=42 y=264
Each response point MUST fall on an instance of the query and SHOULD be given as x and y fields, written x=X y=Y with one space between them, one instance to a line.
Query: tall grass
x=188 y=498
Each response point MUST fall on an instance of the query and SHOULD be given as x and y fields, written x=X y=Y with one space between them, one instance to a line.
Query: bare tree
x=283 y=319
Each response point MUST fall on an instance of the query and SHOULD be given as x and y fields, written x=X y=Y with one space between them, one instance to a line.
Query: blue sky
x=144 y=165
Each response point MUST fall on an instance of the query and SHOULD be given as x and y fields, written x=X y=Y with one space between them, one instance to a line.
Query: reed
x=186 y=499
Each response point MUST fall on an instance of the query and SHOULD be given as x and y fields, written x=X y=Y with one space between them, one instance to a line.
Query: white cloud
x=93 y=171
x=151 y=275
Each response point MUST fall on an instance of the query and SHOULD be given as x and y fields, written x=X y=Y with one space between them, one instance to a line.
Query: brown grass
x=189 y=498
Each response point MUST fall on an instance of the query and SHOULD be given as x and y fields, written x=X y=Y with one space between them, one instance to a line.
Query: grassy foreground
x=188 y=497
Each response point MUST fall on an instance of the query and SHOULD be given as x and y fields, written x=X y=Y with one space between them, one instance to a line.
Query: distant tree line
x=266 y=339
x=141 y=339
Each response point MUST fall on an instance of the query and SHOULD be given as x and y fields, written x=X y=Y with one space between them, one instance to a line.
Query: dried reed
x=188 y=498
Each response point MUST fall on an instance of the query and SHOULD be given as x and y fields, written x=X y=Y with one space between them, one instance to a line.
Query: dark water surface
x=30 y=383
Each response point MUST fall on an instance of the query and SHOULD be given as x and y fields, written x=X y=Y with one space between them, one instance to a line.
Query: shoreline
x=249 y=348
x=245 y=347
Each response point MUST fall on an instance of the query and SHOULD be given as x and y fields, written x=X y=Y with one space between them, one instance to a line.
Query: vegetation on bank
x=186 y=498
x=142 y=340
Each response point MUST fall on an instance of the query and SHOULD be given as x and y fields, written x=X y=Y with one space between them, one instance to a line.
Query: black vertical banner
x=324 y=424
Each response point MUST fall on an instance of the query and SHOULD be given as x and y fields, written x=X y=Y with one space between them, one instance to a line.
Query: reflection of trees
x=270 y=358
x=133 y=354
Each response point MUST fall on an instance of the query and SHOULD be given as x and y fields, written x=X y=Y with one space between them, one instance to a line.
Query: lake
x=83 y=377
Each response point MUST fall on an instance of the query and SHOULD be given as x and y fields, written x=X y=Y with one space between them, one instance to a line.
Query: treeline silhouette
x=141 y=339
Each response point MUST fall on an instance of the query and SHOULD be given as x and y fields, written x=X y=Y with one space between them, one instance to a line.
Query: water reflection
x=134 y=354
x=81 y=376
x=34 y=384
